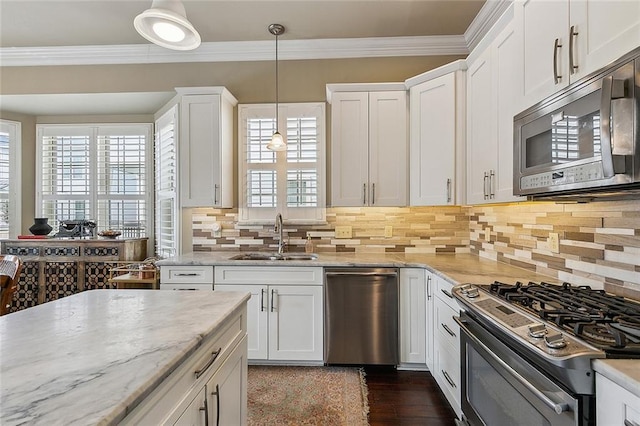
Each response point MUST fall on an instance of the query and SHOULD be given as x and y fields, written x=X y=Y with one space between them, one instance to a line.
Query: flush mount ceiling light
x=166 y=25
x=277 y=141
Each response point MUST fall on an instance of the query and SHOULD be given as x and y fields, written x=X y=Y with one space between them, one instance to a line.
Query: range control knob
x=537 y=331
x=555 y=341
x=470 y=291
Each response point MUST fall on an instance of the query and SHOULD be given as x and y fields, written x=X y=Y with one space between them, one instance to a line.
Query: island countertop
x=91 y=357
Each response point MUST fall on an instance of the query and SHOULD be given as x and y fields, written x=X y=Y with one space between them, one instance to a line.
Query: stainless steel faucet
x=278 y=228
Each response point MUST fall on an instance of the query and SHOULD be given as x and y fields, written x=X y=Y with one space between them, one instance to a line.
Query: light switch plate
x=343 y=232
x=388 y=231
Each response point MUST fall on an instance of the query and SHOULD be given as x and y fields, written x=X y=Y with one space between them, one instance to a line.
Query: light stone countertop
x=624 y=372
x=456 y=268
x=91 y=357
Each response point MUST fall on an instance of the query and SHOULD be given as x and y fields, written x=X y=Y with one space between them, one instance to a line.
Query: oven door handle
x=559 y=408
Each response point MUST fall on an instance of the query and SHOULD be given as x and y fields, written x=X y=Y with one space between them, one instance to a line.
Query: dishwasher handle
x=361 y=274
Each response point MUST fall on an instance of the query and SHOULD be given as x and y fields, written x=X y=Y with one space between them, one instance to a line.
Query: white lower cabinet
x=285 y=312
x=223 y=400
x=183 y=277
x=615 y=405
x=446 y=369
x=413 y=323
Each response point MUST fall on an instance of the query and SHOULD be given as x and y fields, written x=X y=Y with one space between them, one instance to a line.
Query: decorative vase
x=40 y=227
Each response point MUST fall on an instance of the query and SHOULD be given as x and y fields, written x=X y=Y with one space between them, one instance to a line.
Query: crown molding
x=235 y=51
x=484 y=20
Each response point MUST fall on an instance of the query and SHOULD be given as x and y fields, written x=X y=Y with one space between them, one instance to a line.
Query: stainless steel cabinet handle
x=484 y=189
x=274 y=293
x=448 y=190
x=216 y=393
x=428 y=287
x=211 y=360
x=448 y=330
x=215 y=193
x=446 y=376
x=630 y=423
x=205 y=408
x=492 y=176
x=262 y=300
x=364 y=194
x=373 y=194
x=449 y=295
x=573 y=66
x=187 y=274
x=556 y=46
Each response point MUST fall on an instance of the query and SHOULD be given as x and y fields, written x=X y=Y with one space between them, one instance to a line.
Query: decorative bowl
x=110 y=233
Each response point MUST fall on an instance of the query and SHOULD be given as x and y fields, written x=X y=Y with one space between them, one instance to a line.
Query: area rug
x=307 y=396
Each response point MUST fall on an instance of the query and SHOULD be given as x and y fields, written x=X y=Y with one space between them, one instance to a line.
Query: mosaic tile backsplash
x=599 y=242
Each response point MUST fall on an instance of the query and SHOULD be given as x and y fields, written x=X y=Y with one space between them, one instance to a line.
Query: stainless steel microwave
x=584 y=139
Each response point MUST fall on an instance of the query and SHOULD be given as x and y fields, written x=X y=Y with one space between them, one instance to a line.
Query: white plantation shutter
x=98 y=173
x=166 y=185
x=290 y=182
x=10 y=182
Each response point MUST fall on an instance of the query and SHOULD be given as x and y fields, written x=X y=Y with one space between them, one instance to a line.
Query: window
x=10 y=183
x=166 y=182
x=290 y=182
x=99 y=173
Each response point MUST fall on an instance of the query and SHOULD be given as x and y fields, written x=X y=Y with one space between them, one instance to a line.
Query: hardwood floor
x=406 y=398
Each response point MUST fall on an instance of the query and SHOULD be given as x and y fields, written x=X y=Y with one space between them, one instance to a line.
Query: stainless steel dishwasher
x=361 y=316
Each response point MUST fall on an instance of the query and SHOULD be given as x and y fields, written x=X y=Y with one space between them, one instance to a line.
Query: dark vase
x=40 y=227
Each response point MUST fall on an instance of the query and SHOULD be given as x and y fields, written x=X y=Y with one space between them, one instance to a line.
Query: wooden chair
x=10 y=267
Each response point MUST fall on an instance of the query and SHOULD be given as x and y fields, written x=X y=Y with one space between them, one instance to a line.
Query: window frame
x=94 y=132
x=293 y=215
x=14 y=129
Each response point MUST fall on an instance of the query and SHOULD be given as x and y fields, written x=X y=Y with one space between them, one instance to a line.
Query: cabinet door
x=200 y=148
x=541 y=23
x=349 y=149
x=227 y=390
x=388 y=146
x=605 y=30
x=295 y=323
x=257 y=317
x=506 y=61
x=481 y=140
x=429 y=321
x=433 y=140
x=412 y=315
x=615 y=405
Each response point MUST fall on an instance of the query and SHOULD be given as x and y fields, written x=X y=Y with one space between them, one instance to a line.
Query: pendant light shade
x=166 y=25
x=278 y=142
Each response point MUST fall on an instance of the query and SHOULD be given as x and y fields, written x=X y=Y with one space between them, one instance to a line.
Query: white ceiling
x=102 y=30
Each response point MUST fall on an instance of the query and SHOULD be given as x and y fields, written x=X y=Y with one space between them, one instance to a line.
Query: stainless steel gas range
x=526 y=350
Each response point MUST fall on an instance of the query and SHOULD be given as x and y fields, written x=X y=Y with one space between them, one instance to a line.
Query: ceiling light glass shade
x=277 y=142
x=166 y=25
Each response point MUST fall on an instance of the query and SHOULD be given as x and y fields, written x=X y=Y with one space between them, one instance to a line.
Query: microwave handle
x=605 y=126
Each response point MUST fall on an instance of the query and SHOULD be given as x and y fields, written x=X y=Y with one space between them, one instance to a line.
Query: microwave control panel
x=573 y=174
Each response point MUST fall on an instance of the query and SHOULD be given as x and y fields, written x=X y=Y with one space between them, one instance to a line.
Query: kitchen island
x=107 y=356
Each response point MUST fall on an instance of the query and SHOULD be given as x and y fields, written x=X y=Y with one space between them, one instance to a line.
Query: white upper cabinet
x=368 y=145
x=437 y=111
x=206 y=147
x=565 y=40
x=494 y=79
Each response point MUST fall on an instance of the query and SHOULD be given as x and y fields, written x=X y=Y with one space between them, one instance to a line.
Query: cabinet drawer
x=448 y=373
x=443 y=291
x=186 y=275
x=448 y=329
x=22 y=250
x=615 y=405
x=62 y=251
x=175 y=391
x=280 y=275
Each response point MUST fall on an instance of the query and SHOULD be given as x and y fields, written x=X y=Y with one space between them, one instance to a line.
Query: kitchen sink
x=275 y=256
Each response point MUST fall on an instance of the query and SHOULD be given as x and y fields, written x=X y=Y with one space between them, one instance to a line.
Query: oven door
x=500 y=388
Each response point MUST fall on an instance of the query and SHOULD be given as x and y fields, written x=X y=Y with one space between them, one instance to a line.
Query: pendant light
x=277 y=141
x=166 y=25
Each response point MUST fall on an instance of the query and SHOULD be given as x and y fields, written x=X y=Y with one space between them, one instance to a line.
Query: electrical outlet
x=343 y=232
x=388 y=231
x=487 y=234
x=554 y=242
